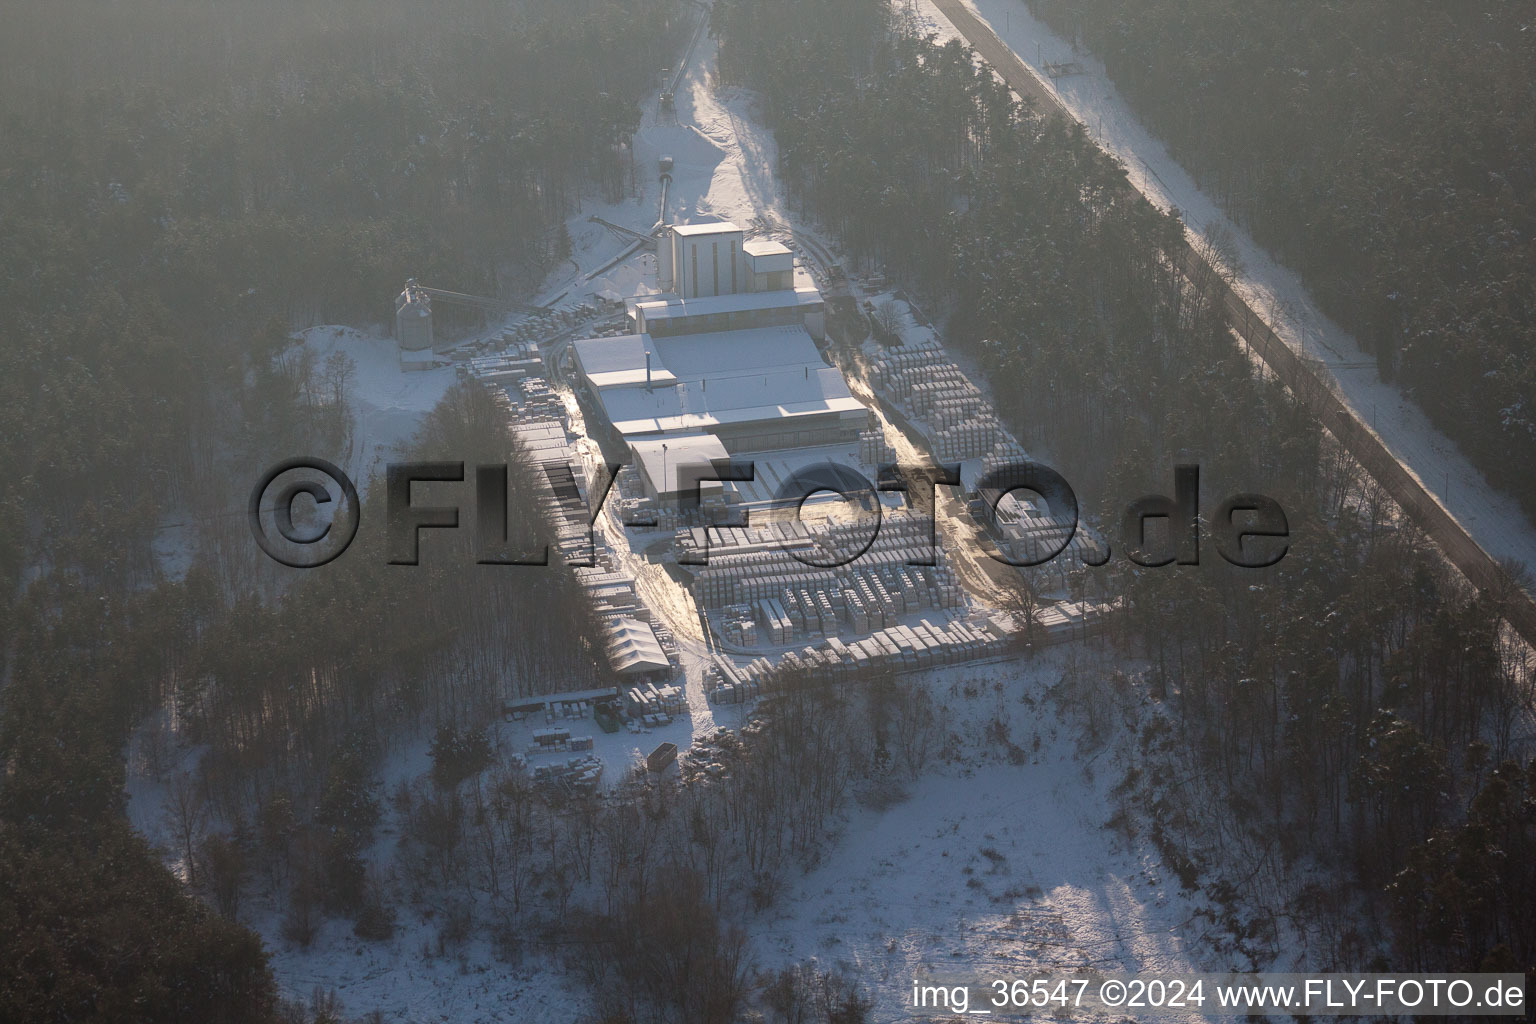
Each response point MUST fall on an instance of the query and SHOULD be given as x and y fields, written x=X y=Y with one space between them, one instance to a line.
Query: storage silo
x=413 y=325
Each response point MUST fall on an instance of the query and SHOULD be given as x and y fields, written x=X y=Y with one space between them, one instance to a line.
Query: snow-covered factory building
x=726 y=352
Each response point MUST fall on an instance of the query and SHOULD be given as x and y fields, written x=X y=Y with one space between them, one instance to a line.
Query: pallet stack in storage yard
x=727 y=683
x=579 y=773
x=539 y=400
x=777 y=628
x=792 y=599
x=650 y=699
x=863 y=599
x=936 y=395
x=874 y=450
x=902 y=647
x=970 y=439
x=737 y=625
x=897 y=648
x=516 y=360
x=708 y=542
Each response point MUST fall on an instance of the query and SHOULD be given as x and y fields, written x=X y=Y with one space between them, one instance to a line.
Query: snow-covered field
x=1491 y=517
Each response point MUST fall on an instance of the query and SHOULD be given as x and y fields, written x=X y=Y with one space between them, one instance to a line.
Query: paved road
x=1480 y=568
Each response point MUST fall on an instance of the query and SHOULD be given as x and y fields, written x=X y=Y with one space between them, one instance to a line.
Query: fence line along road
x=1480 y=568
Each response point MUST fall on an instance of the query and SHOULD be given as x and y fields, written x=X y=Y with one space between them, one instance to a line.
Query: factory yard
x=714 y=347
x=711 y=342
x=692 y=329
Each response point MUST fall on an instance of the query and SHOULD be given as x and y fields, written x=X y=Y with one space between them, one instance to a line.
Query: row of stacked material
x=728 y=684
x=582 y=773
x=1035 y=539
x=650 y=699
x=950 y=412
x=516 y=360
x=720 y=541
x=551 y=739
x=868 y=599
x=504 y=403
x=718 y=586
x=635 y=509
x=1003 y=456
x=968 y=439
x=777 y=627
x=544 y=437
x=546 y=740
x=946 y=400
x=549 y=322
x=936 y=394
x=895 y=370
x=538 y=400
x=902 y=648
x=922 y=368
x=1069 y=617
x=875 y=602
x=874 y=449
x=557 y=709
x=812 y=610
x=544 y=442
x=612 y=590
x=737 y=625
x=571 y=531
x=737 y=576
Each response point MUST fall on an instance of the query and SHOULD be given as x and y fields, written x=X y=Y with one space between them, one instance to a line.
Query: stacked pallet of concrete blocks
x=579 y=773
x=886 y=598
x=775 y=621
x=735 y=576
x=874 y=450
x=738 y=625
x=540 y=401
x=791 y=602
x=857 y=616
x=970 y=439
x=829 y=616
x=906 y=647
x=728 y=684
x=650 y=701
x=809 y=612
x=550 y=739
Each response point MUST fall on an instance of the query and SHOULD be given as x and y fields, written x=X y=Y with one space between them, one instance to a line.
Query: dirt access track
x=1480 y=569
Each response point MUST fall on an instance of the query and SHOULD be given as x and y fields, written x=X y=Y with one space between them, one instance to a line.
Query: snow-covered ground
x=991 y=867
x=410 y=977
x=387 y=402
x=387 y=405
x=1491 y=517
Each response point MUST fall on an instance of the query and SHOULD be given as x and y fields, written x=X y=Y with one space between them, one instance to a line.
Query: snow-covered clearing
x=387 y=405
x=992 y=866
x=387 y=402
x=1493 y=519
